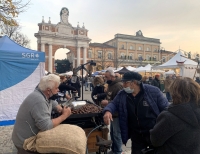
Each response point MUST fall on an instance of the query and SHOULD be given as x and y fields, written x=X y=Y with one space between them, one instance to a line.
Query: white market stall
x=21 y=70
x=180 y=64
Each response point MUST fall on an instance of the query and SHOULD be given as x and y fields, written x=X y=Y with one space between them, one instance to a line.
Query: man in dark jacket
x=156 y=82
x=114 y=86
x=138 y=106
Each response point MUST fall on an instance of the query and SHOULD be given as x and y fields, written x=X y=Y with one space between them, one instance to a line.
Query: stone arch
x=52 y=37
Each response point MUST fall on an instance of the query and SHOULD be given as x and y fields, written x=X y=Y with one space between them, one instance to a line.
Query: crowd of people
x=134 y=107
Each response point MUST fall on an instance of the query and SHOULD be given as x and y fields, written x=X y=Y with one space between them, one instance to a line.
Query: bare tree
x=14 y=32
x=118 y=60
x=9 y=11
x=103 y=59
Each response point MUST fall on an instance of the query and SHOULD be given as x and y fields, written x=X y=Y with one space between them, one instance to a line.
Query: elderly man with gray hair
x=34 y=114
x=114 y=86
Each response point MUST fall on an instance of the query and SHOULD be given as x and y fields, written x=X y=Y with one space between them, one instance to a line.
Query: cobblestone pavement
x=6 y=144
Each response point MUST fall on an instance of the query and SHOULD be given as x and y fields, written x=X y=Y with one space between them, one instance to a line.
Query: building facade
x=138 y=50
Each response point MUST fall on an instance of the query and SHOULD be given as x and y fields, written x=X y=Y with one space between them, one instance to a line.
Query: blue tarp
x=16 y=62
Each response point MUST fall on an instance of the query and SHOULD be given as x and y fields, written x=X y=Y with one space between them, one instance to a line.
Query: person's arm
x=164 y=129
x=42 y=116
x=101 y=96
x=112 y=106
x=162 y=102
x=66 y=112
x=54 y=104
x=67 y=87
x=110 y=109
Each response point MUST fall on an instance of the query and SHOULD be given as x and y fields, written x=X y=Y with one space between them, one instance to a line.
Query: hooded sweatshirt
x=177 y=130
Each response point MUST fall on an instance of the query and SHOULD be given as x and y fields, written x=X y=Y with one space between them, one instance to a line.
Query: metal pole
x=82 y=80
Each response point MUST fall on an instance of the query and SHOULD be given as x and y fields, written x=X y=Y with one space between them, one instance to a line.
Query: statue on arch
x=64 y=14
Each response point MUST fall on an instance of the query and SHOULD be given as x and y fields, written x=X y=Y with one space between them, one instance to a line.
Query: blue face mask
x=128 y=90
x=98 y=85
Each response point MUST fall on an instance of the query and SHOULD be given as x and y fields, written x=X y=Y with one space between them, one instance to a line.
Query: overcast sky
x=175 y=22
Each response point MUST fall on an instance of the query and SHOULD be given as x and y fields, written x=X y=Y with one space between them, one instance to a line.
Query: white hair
x=111 y=72
x=48 y=81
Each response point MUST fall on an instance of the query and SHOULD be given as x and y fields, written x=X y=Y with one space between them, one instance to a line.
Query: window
x=114 y=44
x=154 y=58
x=109 y=56
x=99 y=54
x=163 y=59
x=131 y=47
x=139 y=48
x=147 y=57
x=131 y=56
x=122 y=46
x=89 y=54
x=122 y=56
x=148 y=49
x=140 y=57
x=155 y=50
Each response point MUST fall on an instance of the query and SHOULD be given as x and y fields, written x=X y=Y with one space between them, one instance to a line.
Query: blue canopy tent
x=21 y=70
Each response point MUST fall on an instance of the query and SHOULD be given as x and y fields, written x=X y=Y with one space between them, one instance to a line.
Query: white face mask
x=128 y=90
x=98 y=85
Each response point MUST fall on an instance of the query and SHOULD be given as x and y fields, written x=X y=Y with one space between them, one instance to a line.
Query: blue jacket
x=152 y=95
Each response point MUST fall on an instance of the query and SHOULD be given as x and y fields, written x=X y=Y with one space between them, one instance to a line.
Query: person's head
x=117 y=76
x=184 y=90
x=49 y=84
x=131 y=81
x=98 y=81
x=144 y=78
x=109 y=76
x=157 y=76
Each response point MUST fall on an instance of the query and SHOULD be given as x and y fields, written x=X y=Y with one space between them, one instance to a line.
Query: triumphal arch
x=51 y=37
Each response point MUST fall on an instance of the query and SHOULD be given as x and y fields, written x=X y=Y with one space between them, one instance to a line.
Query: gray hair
x=48 y=81
x=111 y=72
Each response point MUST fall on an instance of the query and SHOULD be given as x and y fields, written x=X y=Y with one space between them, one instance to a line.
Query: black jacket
x=155 y=82
x=63 y=87
x=99 y=91
x=177 y=130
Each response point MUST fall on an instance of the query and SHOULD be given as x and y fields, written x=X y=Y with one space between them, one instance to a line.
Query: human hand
x=66 y=112
x=107 y=118
x=67 y=96
x=104 y=102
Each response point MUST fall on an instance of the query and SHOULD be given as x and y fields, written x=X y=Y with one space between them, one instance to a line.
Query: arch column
x=42 y=47
x=84 y=55
x=84 y=58
x=50 y=59
x=78 y=56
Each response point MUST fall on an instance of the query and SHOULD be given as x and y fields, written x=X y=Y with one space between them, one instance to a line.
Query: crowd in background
x=148 y=129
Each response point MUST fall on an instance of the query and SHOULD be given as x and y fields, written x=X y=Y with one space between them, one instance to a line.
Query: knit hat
x=128 y=76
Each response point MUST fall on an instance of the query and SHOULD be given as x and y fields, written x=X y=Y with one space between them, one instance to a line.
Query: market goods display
x=88 y=108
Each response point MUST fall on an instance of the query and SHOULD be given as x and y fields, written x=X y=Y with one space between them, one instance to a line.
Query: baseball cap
x=128 y=76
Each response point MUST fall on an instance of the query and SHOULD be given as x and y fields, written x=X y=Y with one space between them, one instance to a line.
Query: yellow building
x=128 y=50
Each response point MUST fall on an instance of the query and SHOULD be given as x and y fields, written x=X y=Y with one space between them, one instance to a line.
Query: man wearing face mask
x=114 y=86
x=138 y=106
x=34 y=114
